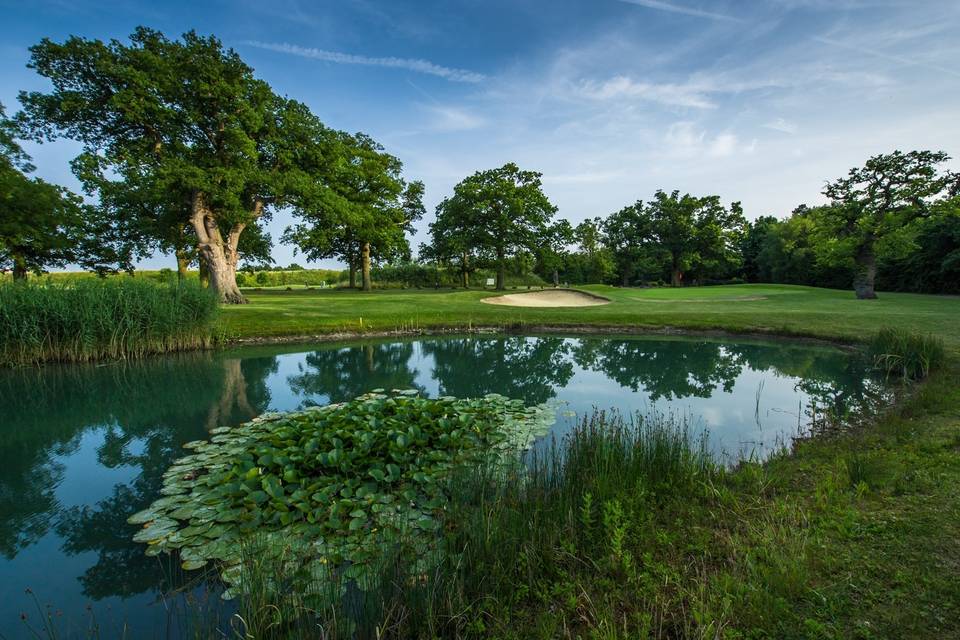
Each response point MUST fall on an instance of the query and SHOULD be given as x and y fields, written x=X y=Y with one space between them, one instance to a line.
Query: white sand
x=548 y=298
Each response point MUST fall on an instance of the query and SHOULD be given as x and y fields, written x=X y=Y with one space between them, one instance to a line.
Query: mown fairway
x=781 y=309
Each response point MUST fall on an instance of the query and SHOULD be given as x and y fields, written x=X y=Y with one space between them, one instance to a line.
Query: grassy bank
x=102 y=319
x=777 y=309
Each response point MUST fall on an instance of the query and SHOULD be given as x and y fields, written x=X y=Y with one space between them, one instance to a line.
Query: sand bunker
x=549 y=298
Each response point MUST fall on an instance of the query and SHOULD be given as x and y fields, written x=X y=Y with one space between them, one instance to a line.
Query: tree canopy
x=176 y=133
x=877 y=199
x=495 y=213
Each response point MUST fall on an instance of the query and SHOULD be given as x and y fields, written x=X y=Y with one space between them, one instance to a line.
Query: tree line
x=184 y=151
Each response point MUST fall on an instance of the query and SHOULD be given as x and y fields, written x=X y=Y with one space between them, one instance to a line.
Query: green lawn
x=782 y=309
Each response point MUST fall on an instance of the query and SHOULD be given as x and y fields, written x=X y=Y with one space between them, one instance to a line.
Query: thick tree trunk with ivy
x=365 y=266
x=219 y=254
x=866 y=274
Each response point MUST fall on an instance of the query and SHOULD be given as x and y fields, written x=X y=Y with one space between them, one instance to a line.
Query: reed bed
x=904 y=354
x=102 y=319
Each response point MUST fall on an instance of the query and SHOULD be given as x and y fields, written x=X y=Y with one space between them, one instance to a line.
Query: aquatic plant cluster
x=335 y=483
x=100 y=319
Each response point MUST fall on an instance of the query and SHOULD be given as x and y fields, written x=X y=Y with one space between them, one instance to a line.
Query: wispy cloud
x=887 y=56
x=681 y=95
x=781 y=125
x=448 y=118
x=410 y=64
x=687 y=11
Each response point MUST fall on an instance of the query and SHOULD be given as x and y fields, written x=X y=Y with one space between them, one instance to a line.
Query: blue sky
x=759 y=101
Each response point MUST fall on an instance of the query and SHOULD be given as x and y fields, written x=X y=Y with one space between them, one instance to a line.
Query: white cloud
x=618 y=87
x=410 y=64
x=447 y=118
x=676 y=8
x=782 y=125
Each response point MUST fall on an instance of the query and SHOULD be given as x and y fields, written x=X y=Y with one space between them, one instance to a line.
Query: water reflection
x=83 y=447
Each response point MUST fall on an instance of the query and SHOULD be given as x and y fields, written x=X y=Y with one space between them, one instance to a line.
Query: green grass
x=102 y=319
x=776 y=309
x=854 y=534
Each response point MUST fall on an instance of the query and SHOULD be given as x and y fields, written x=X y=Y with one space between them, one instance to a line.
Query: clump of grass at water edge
x=904 y=354
x=102 y=319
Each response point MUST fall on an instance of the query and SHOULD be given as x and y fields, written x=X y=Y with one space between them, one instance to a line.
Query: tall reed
x=102 y=319
x=908 y=355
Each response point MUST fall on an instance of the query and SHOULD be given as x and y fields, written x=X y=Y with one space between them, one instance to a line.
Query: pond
x=84 y=447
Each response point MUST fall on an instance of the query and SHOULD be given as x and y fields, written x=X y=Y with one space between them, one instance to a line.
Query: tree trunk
x=19 y=268
x=353 y=273
x=365 y=266
x=676 y=276
x=219 y=254
x=501 y=270
x=866 y=274
x=183 y=262
x=465 y=270
x=556 y=278
x=625 y=278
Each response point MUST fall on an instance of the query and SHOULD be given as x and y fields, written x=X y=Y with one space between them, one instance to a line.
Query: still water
x=84 y=447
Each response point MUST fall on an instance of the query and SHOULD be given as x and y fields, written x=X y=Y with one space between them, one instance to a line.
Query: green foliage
x=494 y=215
x=94 y=319
x=908 y=355
x=333 y=485
x=181 y=143
x=421 y=276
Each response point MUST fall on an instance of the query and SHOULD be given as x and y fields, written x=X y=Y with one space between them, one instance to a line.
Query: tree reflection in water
x=340 y=374
x=143 y=412
x=146 y=411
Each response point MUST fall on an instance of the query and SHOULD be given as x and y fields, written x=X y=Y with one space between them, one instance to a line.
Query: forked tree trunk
x=365 y=266
x=218 y=253
x=866 y=274
x=501 y=270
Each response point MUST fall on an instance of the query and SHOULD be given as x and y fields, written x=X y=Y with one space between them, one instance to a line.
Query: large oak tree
x=179 y=133
x=877 y=199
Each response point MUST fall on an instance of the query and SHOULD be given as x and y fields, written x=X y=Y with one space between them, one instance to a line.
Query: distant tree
x=697 y=234
x=43 y=225
x=927 y=258
x=598 y=265
x=755 y=238
x=552 y=254
x=372 y=214
x=185 y=131
x=628 y=234
x=877 y=199
x=452 y=239
x=500 y=212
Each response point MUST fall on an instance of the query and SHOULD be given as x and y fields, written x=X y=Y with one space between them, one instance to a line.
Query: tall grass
x=908 y=355
x=578 y=506
x=102 y=319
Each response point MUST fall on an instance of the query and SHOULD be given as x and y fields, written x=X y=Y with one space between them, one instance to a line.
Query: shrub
x=911 y=356
x=96 y=319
